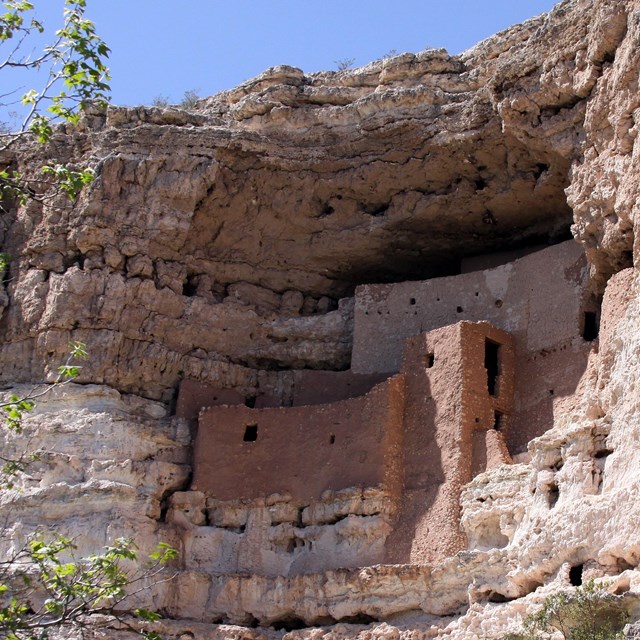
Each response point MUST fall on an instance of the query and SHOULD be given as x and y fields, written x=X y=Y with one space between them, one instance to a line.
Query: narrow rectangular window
x=250 y=433
x=492 y=364
x=590 y=328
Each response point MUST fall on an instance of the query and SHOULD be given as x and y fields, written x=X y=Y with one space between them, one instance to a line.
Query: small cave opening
x=499 y=598
x=575 y=575
x=492 y=365
x=327 y=210
x=376 y=210
x=289 y=624
x=590 y=326
x=360 y=618
x=296 y=543
x=250 y=433
x=541 y=167
x=189 y=287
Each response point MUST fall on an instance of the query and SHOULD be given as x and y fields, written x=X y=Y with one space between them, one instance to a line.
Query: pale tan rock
x=238 y=257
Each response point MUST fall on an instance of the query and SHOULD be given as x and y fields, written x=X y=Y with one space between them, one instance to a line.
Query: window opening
x=492 y=364
x=332 y=439
x=431 y=358
x=497 y=421
x=590 y=327
x=250 y=433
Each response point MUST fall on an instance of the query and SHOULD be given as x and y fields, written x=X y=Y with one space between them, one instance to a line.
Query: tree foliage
x=590 y=613
x=44 y=587
x=70 y=69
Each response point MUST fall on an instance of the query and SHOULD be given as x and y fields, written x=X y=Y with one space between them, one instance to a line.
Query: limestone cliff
x=229 y=246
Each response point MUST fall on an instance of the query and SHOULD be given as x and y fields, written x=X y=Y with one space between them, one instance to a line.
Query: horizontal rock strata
x=225 y=245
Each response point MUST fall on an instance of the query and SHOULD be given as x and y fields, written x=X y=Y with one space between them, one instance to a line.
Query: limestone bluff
x=276 y=250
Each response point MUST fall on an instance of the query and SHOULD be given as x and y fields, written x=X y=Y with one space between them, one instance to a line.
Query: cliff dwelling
x=363 y=344
x=449 y=377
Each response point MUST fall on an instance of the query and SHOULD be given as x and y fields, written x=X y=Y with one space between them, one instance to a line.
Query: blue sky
x=165 y=47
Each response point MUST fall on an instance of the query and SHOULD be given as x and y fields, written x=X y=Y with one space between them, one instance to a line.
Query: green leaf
x=146 y=615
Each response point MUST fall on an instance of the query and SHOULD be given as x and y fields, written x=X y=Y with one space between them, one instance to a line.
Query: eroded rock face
x=224 y=246
x=252 y=217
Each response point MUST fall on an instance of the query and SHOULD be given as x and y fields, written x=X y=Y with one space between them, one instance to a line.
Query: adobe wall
x=297 y=388
x=302 y=451
x=414 y=438
x=540 y=299
x=447 y=402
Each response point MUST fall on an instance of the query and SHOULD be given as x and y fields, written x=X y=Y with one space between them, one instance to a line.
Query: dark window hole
x=431 y=359
x=327 y=210
x=412 y=301
x=498 y=303
x=189 y=287
x=551 y=392
x=590 y=326
x=492 y=364
x=250 y=433
x=481 y=184
x=250 y=402
x=575 y=575
x=541 y=167
x=332 y=439
x=498 y=422
x=459 y=309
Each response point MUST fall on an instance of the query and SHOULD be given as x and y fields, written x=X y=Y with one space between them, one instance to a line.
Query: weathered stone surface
x=223 y=247
x=307 y=185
